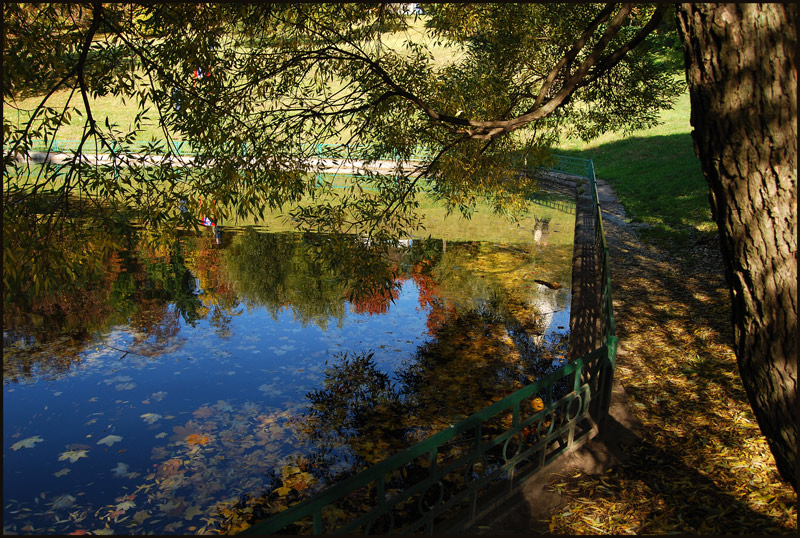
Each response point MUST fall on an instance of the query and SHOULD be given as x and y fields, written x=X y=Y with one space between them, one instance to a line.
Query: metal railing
x=185 y=149
x=574 y=166
x=457 y=475
x=177 y=147
x=557 y=204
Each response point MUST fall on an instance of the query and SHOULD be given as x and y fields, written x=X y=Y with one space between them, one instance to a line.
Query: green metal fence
x=455 y=476
x=177 y=147
x=182 y=148
x=574 y=166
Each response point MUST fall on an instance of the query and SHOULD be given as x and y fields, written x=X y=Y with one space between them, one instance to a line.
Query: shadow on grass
x=660 y=182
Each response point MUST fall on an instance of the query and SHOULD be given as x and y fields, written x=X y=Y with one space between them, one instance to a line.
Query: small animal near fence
x=456 y=476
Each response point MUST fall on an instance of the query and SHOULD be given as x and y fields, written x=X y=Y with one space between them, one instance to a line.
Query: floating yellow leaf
x=27 y=443
x=73 y=455
x=198 y=439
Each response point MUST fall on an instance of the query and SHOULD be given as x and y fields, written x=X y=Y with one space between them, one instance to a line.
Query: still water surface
x=191 y=379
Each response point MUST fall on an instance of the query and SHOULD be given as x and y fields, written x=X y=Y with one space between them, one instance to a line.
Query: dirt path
x=684 y=453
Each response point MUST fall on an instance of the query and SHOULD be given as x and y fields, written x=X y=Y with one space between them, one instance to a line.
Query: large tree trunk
x=740 y=66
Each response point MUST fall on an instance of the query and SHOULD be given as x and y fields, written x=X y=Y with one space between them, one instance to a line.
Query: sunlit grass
x=483 y=225
x=122 y=113
x=656 y=175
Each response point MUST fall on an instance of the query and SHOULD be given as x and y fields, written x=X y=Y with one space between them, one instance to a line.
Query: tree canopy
x=477 y=93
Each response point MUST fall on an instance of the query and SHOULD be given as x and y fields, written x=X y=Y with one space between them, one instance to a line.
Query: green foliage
x=482 y=86
x=292 y=277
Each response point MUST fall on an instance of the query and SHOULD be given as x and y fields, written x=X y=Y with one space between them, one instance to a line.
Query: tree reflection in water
x=483 y=342
x=478 y=354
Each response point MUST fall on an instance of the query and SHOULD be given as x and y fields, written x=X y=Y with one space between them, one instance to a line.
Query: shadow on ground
x=682 y=452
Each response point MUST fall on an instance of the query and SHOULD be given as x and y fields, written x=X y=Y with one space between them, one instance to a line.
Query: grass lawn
x=122 y=112
x=656 y=175
x=483 y=225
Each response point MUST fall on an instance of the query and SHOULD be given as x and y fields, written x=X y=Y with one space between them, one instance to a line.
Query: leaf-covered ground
x=702 y=466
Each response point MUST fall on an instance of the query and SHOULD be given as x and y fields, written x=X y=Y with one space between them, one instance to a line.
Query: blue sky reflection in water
x=260 y=376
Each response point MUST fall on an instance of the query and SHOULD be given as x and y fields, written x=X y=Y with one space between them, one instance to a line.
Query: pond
x=197 y=384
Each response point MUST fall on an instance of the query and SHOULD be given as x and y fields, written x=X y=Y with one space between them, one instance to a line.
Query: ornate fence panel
x=456 y=473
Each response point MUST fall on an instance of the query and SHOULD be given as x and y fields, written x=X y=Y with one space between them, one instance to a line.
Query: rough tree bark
x=742 y=75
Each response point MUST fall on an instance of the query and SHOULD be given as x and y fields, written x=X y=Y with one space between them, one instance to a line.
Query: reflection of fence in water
x=560 y=205
x=458 y=475
x=452 y=475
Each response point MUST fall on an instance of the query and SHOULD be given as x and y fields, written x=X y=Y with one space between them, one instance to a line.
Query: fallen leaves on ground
x=702 y=466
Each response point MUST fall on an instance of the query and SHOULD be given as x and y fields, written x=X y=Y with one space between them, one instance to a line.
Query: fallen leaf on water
x=192 y=511
x=222 y=405
x=62 y=472
x=109 y=440
x=181 y=432
x=172 y=505
x=121 y=469
x=203 y=412
x=73 y=455
x=161 y=435
x=140 y=516
x=124 y=505
x=168 y=468
x=114 y=514
x=197 y=439
x=150 y=418
x=172 y=526
x=27 y=443
x=177 y=511
x=65 y=501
